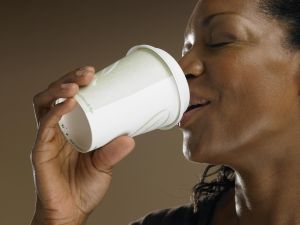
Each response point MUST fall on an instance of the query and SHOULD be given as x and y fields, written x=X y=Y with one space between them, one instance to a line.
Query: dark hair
x=286 y=11
x=208 y=191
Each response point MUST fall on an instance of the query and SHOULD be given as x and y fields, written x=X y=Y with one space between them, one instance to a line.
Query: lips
x=196 y=105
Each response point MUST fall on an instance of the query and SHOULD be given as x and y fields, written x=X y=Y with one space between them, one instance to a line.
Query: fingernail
x=80 y=72
x=65 y=86
x=84 y=71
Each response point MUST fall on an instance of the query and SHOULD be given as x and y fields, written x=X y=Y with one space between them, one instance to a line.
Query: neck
x=265 y=202
x=268 y=186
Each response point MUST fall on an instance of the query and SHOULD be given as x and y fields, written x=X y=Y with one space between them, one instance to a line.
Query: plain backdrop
x=43 y=40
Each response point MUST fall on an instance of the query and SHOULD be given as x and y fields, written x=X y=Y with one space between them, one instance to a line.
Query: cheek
x=245 y=93
x=247 y=108
x=250 y=85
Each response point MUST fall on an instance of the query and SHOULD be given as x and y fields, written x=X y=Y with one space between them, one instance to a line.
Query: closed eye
x=218 y=45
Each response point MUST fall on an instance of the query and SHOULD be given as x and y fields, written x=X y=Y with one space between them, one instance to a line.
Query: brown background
x=42 y=40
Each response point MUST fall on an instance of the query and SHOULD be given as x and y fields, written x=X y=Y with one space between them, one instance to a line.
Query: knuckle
x=36 y=98
x=43 y=121
x=75 y=87
x=51 y=92
x=52 y=84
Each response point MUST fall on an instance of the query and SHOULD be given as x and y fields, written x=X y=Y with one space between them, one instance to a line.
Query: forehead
x=205 y=8
x=226 y=5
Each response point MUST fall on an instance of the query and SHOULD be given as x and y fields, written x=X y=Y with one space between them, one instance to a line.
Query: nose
x=191 y=65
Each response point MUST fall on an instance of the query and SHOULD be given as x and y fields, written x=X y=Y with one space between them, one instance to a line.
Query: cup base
x=75 y=126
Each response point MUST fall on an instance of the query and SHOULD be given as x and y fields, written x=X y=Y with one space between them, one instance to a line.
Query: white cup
x=142 y=92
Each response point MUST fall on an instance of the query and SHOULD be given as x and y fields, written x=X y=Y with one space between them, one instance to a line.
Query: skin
x=69 y=184
x=251 y=125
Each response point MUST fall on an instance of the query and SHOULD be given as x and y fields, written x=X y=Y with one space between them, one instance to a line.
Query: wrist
x=48 y=216
x=41 y=218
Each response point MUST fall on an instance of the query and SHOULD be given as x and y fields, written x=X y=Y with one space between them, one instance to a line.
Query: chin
x=189 y=147
x=194 y=156
x=193 y=152
x=199 y=151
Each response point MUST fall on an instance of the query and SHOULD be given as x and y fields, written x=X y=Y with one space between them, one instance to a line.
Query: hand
x=69 y=184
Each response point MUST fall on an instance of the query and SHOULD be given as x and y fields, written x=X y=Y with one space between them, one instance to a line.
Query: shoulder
x=183 y=215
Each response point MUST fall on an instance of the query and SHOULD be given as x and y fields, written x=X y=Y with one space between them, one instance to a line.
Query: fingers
x=65 y=87
x=109 y=155
x=51 y=119
x=48 y=97
x=81 y=76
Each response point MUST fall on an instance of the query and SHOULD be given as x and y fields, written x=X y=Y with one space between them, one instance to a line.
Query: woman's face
x=234 y=56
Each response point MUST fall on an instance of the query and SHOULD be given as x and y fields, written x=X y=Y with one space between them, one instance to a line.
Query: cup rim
x=178 y=75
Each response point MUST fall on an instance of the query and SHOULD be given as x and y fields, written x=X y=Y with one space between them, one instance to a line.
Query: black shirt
x=182 y=215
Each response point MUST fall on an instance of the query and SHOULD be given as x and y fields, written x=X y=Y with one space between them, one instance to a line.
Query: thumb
x=110 y=154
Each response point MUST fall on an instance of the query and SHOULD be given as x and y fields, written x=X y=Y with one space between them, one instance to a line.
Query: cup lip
x=178 y=75
x=86 y=117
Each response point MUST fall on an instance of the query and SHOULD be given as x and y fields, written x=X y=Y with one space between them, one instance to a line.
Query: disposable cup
x=144 y=91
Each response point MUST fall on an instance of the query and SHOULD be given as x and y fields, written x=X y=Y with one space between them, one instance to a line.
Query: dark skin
x=69 y=184
x=239 y=62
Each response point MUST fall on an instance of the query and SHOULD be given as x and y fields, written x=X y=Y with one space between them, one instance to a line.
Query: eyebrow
x=209 y=18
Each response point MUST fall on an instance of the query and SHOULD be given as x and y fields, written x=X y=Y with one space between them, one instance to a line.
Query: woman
x=243 y=56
